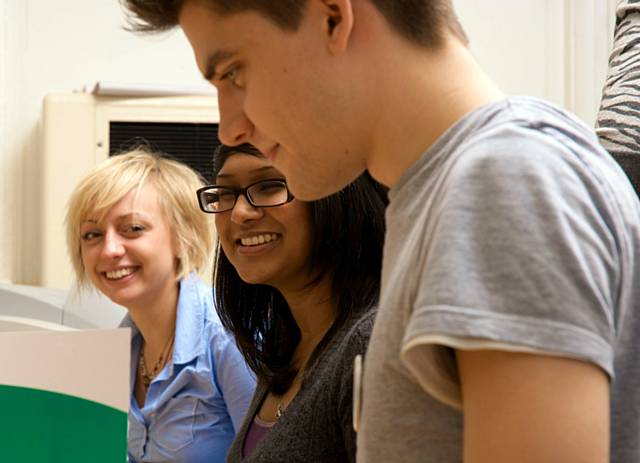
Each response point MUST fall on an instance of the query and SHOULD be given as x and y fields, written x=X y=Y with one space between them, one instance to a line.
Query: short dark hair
x=419 y=21
x=348 y=234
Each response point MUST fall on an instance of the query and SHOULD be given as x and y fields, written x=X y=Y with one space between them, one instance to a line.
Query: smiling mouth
x=257 y=240
x=120 y=273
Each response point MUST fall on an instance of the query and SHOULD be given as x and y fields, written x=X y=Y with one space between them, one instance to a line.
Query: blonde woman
x=134 y=232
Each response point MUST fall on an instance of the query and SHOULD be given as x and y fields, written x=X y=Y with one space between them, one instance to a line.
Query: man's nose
x=235 y=127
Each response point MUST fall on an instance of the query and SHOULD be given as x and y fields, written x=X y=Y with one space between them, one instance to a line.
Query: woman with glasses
x=134 y=231
x=296 y=283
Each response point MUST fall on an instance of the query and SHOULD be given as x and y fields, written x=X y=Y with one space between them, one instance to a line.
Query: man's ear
x=338 y=24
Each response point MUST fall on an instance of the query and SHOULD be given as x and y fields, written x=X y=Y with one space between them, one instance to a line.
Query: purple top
x=257 y=430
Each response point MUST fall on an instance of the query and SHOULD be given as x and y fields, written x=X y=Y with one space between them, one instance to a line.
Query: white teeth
x=120 y=273
x=258 y=239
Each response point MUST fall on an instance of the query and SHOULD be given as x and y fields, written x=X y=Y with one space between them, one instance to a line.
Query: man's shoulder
x=497 y=139
x=520 y=136
x=520 y=121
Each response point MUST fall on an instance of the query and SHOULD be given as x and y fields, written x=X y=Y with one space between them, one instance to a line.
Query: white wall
x=554 y=49
x=59 y=46
x=5 y=186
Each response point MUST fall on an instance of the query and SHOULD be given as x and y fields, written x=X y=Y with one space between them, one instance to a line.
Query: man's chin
x=313 y=188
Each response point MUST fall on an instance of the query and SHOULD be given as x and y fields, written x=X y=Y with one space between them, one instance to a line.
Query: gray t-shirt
x=317 y=426
x=514 y=231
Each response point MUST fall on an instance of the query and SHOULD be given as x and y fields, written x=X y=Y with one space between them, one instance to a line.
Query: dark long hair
x=348 y=234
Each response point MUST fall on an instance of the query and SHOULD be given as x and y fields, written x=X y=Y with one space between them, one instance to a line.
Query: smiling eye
x=90 y=236
x=134 y=228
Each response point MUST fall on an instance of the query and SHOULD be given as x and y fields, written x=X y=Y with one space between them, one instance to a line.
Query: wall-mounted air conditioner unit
x=80 y=130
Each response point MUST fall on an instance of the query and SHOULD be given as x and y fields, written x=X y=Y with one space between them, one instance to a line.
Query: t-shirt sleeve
x=522 y=256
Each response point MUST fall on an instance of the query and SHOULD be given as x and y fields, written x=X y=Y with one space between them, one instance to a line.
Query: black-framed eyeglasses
x=265 y=193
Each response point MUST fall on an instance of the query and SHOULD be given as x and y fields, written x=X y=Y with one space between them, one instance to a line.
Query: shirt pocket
x=175 y=424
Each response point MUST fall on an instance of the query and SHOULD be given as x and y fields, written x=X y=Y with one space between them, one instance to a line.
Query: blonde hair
x=176 y=185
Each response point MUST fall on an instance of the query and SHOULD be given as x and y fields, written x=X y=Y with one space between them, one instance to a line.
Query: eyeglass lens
x=267 y=193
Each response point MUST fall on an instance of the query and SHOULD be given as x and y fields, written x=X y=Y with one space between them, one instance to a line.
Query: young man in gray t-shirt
x=508 y=309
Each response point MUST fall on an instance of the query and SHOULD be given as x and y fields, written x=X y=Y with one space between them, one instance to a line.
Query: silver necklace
x=280 y=406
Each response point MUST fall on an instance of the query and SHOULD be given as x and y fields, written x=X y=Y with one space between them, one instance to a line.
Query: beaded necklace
x=147 y=376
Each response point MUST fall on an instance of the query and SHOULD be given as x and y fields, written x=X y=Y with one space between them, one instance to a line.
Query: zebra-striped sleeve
x=618 y=125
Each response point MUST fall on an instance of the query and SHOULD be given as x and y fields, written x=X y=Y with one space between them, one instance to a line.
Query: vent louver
x=190 y=143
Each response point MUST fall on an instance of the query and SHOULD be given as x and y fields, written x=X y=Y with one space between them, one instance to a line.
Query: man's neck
x=426 y=94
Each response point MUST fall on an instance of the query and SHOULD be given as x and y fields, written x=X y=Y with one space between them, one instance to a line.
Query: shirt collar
x=190 y=320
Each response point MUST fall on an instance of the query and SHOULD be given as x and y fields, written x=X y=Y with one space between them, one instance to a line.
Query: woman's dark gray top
x=317 y=426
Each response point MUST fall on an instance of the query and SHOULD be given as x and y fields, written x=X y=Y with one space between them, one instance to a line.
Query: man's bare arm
x=533 y=408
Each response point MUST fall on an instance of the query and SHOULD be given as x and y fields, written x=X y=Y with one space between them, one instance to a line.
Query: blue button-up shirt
x=197 y=402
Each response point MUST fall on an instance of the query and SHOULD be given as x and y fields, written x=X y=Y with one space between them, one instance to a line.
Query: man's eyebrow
x=213 y=61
